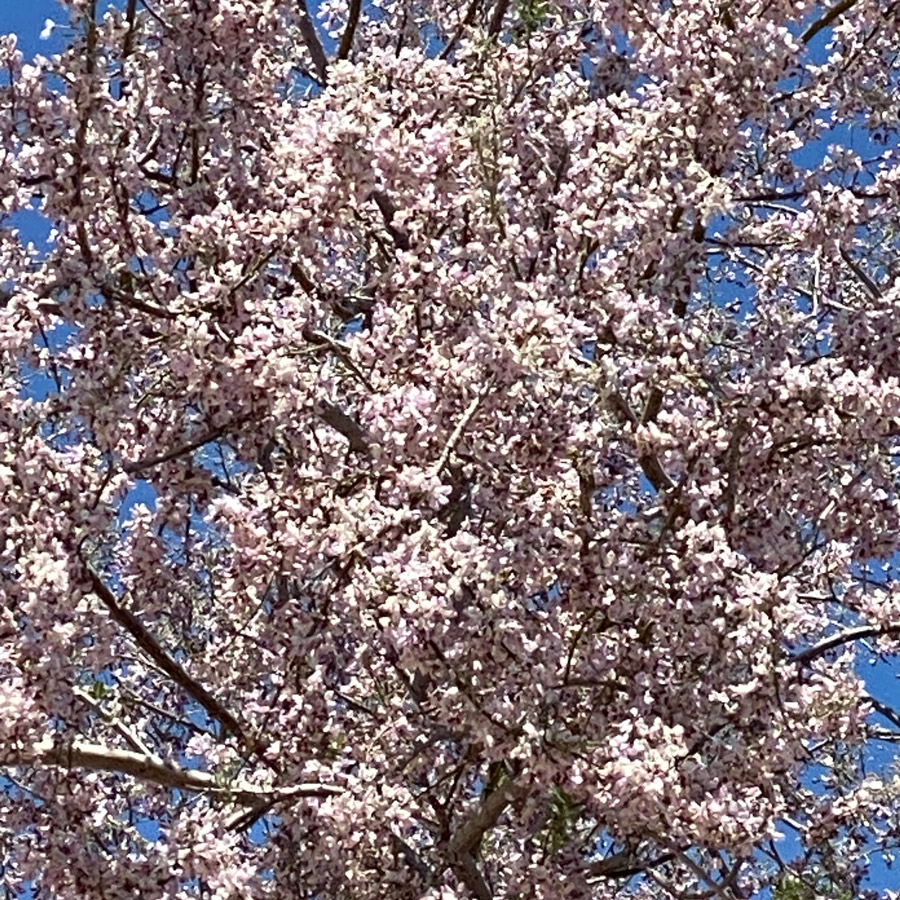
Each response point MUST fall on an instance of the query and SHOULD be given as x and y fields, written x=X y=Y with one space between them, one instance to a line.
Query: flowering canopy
x=447 y=449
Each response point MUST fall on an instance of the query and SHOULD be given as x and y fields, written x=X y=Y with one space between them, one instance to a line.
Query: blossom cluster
x=445 y=448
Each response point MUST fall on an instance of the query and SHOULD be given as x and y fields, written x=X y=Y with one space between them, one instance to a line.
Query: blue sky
x=26 y=19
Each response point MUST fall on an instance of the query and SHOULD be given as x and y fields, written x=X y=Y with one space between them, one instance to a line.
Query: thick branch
x=148 y=643
x=313 y=44
x=843 y=637
x=150 y=768
x=472 y=878
x=720 y=890
x=650 y=465
x=496 y=24
x=132 y=302
x=468 y=19
x=626 y=864
x=345 y=425
x=858 y=271
x=388 y=211
x=342 y=351
x=350 y=30
x=653 y=406
x=655 y=473
x=413 y=860
x=469 y=835
x=883 y=709
x=833 y=13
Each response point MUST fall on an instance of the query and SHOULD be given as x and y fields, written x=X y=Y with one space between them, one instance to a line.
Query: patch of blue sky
x=28 y=21
x=142 y=493
x=152 y=208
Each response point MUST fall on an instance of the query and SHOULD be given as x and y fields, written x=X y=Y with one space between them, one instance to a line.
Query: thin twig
x=457 y=432
x=130 y=698
x=132 y=739
x=206 y=437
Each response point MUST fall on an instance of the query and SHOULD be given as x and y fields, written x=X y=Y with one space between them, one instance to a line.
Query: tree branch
x=653 y=406
x=114 y=295
x=387 y=209
x=649 y=463
x=341 y=350
x=153 y=769
x=833 y=13
x=471 y=876
x=858 y=271
x=883 y=709
x=413 y=860
x=720 y=890
x=132 y=739
x=148 y=643
x=804 y=657
x=313 y=44
x=469 y=835
x=457 y=432
x=350 y=30
x=497 y=18
x=206 y=437
x=346 y=425
x=468 y=19
x=626 y=864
